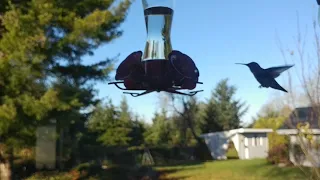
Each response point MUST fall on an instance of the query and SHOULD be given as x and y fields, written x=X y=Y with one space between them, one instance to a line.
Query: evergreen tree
x=137 y=132
x=110 y=128
x=133 y=124
x=125 y=114
x=42 y=75
x=223 y=112
x=159 y=133
x=210 y=120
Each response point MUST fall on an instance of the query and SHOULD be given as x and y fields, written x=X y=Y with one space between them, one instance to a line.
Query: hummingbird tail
x=284 y=90
x=277 y=86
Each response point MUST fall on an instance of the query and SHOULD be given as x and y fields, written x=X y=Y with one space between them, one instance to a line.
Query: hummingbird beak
x=242 y=64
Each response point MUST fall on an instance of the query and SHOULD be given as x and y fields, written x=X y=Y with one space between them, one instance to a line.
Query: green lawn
x=231 y=169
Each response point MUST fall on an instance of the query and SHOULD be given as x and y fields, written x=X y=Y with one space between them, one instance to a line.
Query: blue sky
x=216 y=34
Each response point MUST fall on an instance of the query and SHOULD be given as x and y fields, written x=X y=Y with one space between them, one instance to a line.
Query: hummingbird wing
x=275 y=85
x=276 y=71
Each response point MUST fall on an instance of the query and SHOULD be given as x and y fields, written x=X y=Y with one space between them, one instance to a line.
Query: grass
x=232 y=153
x=230 y=170
x=97 y=173
x=257 y=169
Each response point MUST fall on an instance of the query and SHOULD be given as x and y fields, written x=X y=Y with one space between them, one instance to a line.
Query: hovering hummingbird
x=266 y=77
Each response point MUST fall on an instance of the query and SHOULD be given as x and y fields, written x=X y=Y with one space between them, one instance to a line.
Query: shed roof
x=295 y=131
x=238 y=131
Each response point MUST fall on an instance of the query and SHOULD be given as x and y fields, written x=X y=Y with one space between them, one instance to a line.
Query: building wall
x=218 y=145
x=236 y=141
x=256 y=145
x=255 y=148
x=241 y=146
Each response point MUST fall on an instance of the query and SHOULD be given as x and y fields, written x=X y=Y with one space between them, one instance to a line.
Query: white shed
x=298 y=158
x=249 y=143
x=303 y=115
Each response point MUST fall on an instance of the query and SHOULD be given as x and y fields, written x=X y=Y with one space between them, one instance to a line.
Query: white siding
x=235 y=140
x=257 y=145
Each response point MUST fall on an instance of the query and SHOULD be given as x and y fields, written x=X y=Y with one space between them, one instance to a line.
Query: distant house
x=302 y=115
x=249 y=143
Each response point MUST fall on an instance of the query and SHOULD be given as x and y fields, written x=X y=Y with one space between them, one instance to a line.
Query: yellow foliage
x=89 y=24
x=8 y=110
x=306 y=132
x=272 y=123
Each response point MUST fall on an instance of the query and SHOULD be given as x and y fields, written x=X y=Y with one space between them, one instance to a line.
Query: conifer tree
x=42 y=75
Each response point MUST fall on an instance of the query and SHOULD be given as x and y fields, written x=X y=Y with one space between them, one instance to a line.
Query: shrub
x=24 y=167
x=275 y=139
x=84 y=170
x=93 y=171
x=50 y=175
x=123 y=157
x=172 y=155
x=202 y=152
x=278 y=154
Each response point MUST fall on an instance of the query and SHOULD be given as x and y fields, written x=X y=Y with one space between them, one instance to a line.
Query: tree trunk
x=192 y=130
x=5 y=171
x=6 y=166
x=188 y=117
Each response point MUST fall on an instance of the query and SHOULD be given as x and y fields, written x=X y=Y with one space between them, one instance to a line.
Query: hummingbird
x=266 y=77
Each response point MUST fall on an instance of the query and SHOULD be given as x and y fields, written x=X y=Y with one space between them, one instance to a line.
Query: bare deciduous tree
x=307 y=90
x=188 y=111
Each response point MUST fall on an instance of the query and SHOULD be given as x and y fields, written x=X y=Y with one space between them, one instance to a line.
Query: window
x=246 y=141
x=255 y=141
